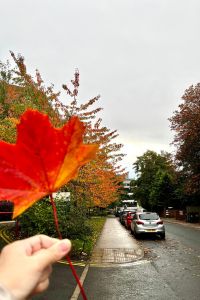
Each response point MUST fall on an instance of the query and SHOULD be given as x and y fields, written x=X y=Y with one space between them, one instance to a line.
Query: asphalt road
x=170 y=270
x=62 y=283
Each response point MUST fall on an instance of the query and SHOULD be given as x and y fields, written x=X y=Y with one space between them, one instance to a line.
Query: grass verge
x=83 y=249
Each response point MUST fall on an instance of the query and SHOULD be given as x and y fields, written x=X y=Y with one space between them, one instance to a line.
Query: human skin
x=25 y=265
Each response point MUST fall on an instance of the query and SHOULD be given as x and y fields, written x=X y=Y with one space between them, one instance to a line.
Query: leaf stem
x=67 y=257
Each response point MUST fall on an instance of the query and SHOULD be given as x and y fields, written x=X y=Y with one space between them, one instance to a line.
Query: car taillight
x=139 y=223
x=160 y=222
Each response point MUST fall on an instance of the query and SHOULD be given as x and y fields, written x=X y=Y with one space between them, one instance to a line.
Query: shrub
x=39 y=220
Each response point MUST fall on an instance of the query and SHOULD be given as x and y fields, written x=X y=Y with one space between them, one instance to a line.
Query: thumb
x=54 y=253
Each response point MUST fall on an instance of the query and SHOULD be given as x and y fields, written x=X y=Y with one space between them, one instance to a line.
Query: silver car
x=147 y=223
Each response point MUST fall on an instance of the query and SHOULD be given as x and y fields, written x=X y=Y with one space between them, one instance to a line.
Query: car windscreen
x=152 y=216
x=128 y=211
x=132 y=213
x=125 y=213
x=132 y=210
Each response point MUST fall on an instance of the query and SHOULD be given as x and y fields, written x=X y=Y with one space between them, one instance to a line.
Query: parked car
x=118 y=211
x=129 y=218
x=123 y=215
x=147 y=223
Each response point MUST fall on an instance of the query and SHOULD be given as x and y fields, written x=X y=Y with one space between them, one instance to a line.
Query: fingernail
x=64 y=246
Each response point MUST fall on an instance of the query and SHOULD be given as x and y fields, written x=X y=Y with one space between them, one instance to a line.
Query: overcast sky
x=139 y=55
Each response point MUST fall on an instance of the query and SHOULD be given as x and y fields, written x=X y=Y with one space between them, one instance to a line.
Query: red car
x=128 y=219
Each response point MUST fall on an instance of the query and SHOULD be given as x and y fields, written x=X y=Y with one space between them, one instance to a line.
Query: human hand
x=25 y=265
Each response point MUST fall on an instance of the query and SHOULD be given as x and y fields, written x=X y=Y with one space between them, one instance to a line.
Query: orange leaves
x=43 y=159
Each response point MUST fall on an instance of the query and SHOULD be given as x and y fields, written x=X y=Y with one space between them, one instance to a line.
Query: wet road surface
x=62 y=283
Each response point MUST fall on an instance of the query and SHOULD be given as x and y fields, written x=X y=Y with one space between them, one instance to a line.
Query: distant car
x=129 y=218
x=147 y=223
x=118 y=211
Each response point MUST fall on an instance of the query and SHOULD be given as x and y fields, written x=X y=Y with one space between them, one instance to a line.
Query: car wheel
x=162 y=235
x=137 y=236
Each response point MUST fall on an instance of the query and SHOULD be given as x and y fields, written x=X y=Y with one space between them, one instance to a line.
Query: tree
x=98 y=182
x=155 y=178
x=186 y=124
x=162 y=190
x=19 y=91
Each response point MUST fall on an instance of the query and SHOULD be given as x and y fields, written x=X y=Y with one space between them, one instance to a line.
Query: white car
x=147 y=223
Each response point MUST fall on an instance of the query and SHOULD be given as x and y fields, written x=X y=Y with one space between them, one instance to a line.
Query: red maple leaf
x=43 y=159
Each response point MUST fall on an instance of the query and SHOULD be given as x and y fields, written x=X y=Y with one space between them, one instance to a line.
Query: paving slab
x=115 y=245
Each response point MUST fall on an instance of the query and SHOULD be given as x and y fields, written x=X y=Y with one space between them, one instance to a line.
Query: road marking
x=7 y=222
x=121 y=265
x=75 y=263
x=82 y=278
x=5 y=236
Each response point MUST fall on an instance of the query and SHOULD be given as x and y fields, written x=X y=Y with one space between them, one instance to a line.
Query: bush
x=39 y=219
x=73 y=224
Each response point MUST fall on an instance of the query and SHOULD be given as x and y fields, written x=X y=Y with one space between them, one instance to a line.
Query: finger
x=41 y=287
x=46 y=273
x=38 y=242
x=53 y=253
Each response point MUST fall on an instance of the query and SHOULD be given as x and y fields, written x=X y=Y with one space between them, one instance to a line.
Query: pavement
x=115 y=245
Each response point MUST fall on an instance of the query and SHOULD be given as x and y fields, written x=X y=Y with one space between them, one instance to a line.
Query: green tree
x=162 y=190
x=154 y=172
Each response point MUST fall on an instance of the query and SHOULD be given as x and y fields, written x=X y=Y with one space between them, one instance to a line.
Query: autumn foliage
x=186 y=124
x=98 y=182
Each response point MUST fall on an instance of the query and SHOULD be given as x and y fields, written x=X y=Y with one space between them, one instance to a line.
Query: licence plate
x=150 y=230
